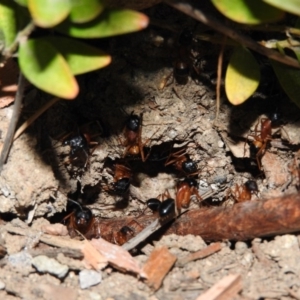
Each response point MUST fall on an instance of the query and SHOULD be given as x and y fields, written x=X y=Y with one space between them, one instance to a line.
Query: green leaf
x=242 y=76
x=8 y=22
x=292 y=6
x=46 y=68
x=85 y=10
x=80 y=57
x=289 y=79
x=22 y=2
x=248 y=11
x=48 y=13
x=110 y=22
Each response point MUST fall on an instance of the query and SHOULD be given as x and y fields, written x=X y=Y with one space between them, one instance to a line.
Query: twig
x=13 y=122
x=218 y=87
x=227 y=288
x=28 y=122
x=213 y=248
x=155 y=225
x=208 y=20
x=243 y=221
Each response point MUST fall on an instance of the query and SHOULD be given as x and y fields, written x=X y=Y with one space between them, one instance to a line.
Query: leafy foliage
x=51 y=62
x=242 y=76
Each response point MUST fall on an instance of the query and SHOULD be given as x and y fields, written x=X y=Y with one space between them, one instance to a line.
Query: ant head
x=189 y=166
x=251 y=186
x=125 y=230
x=83 y=216
x=122 y=185
x=276 y=119
x=133 y=122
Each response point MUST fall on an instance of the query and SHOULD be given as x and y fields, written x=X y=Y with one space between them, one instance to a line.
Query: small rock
x=2 y=285
x=45 y=264
x=89 y=278
x=240 y=248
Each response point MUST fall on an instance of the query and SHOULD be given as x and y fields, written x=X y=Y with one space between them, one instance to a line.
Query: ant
x=83 y=221
x=244 y=192
x=262 y=137
x=79 y=148
x=182 y=162
x=183 y=63
x=166 y=208
x=127 y=232
x=122 y=176
x=170 y=208
x=133 y=138
x=186 y=189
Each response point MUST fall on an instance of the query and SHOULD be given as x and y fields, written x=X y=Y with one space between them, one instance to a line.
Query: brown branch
x=243 y=221
x=210 y=21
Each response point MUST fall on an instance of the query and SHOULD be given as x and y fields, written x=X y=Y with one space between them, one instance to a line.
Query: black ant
x=79 y=148
x=82 y=220
x=244 y=192
x=182 y=162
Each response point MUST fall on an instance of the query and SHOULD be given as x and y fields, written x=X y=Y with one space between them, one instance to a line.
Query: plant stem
x=13 y=122
x=23 y=34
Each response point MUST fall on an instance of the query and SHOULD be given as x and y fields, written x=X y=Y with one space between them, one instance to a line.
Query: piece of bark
x=213 y=248
x=158 y=265
x=225 y=289
x=117 y=257
x=243 y=221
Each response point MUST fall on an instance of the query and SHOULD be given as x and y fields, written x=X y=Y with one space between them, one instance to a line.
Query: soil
x=39 y=176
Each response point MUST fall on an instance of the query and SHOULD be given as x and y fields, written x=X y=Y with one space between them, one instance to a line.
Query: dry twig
x=243 y=221
x=227 y=288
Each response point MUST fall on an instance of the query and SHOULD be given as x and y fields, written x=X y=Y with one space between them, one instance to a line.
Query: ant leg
x=196 y=193
x=175 y=156
x=259 y=155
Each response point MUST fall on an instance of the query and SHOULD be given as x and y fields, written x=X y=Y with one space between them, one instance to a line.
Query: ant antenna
x=73 y=201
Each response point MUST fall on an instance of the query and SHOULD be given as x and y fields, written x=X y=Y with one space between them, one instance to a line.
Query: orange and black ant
x=133 y=138
x=170 y=208
x=82 y=220
x=244 y=192
x=185 y=189
x=127 y=232
x=183 y=64
x=122 y=176
x=182 y=162
x=262 y=136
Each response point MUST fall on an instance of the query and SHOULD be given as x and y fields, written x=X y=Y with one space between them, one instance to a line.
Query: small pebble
x=89 y=278
x=240 y=248
x=2 y=285
x=45 y=264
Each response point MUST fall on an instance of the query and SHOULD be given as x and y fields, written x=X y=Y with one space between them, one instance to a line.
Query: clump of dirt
x=39 y=176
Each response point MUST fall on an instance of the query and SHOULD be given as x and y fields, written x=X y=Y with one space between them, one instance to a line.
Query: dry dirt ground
x=37 y=178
